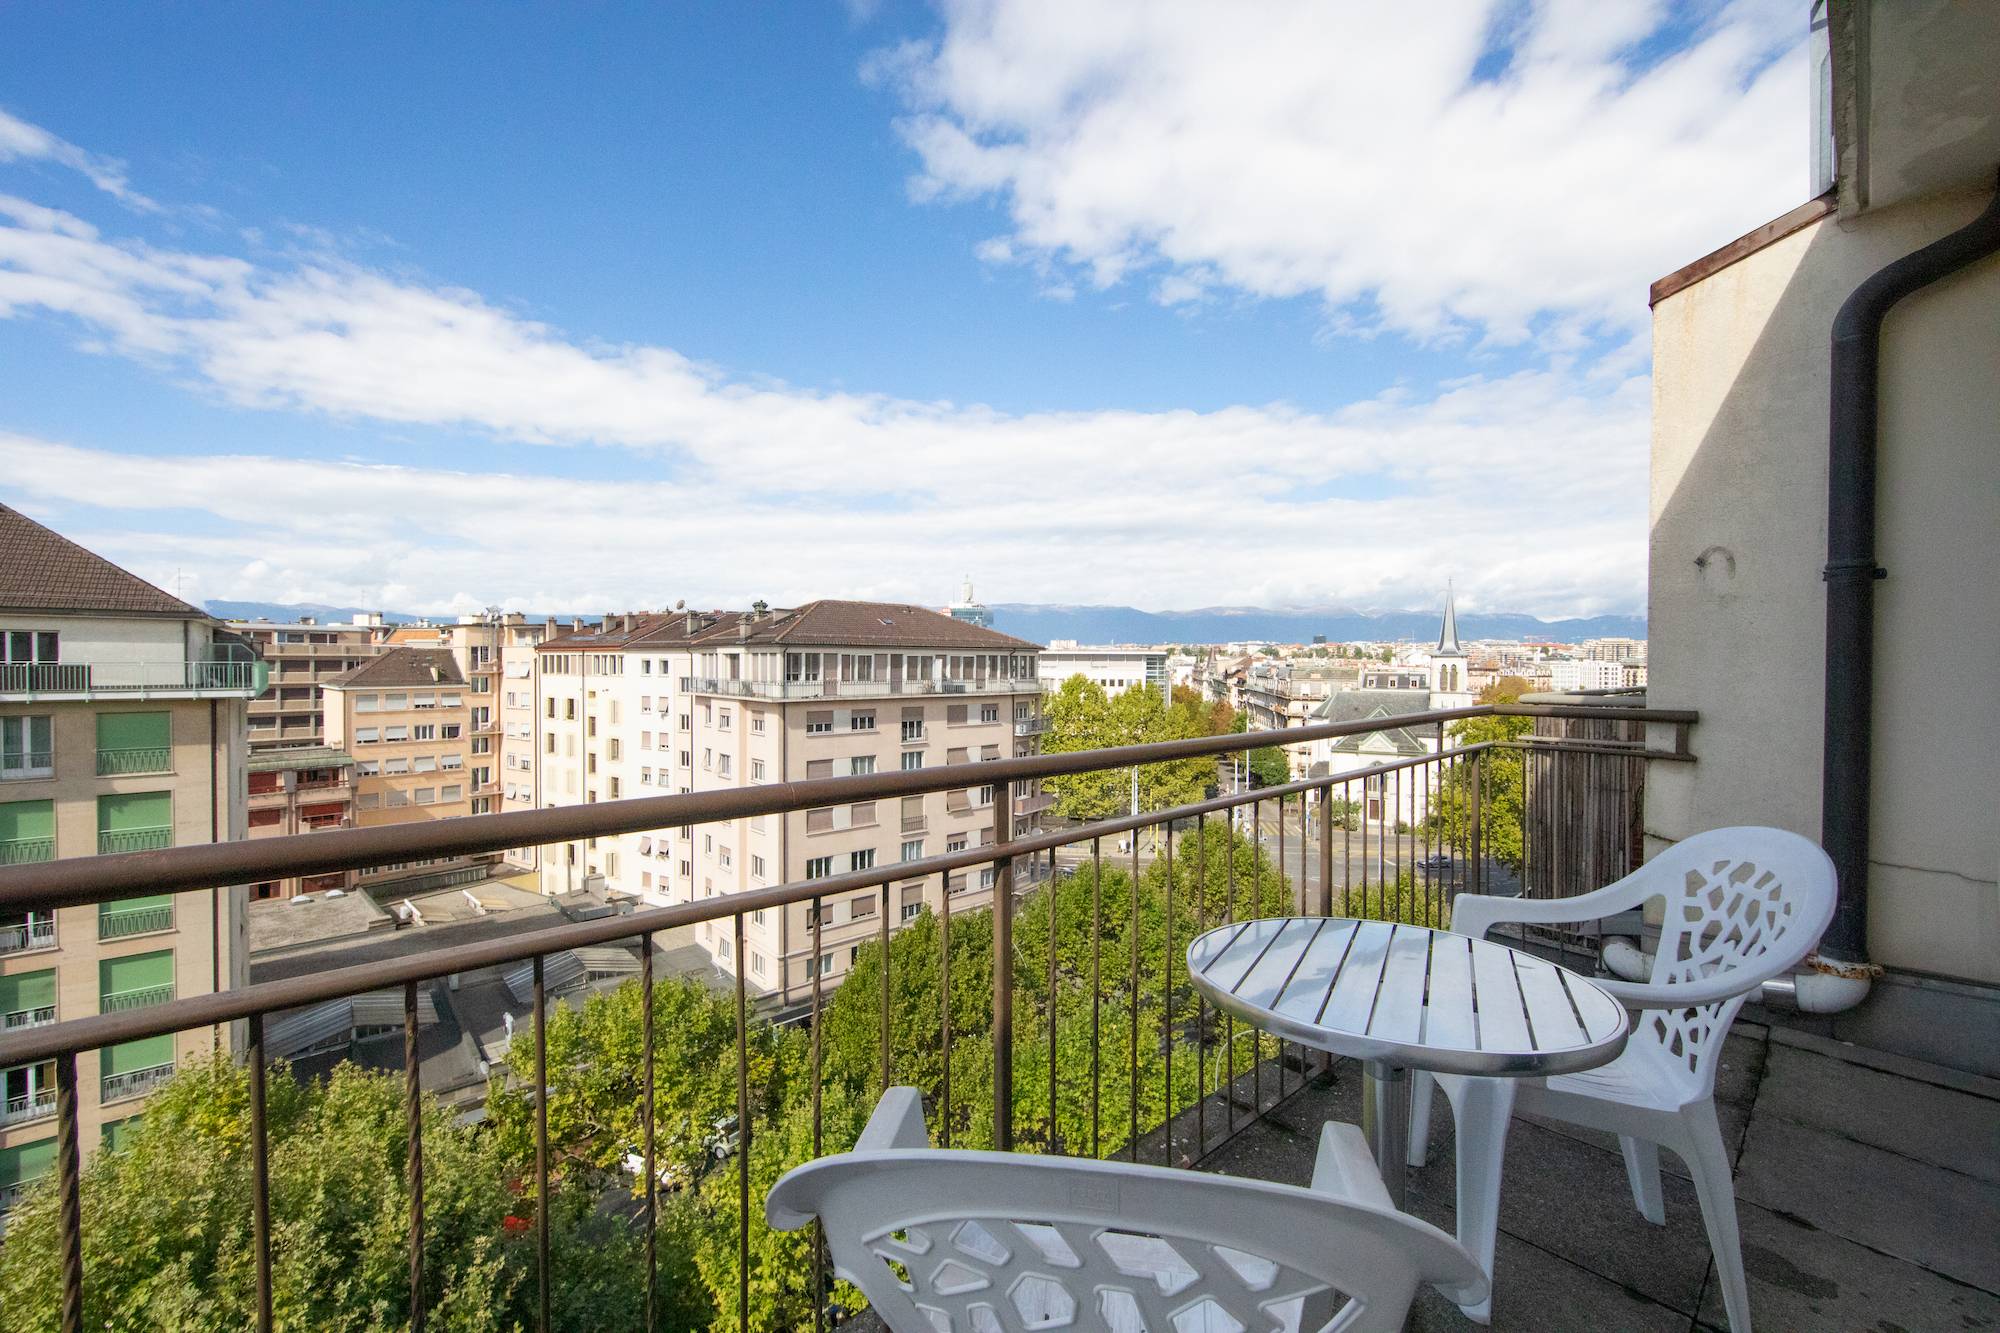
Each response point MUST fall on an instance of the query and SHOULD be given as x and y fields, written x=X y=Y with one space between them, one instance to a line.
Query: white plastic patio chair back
x=952 y=1241
x=1742 y=905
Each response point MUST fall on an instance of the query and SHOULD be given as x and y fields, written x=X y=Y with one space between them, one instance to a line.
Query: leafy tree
x=1269 y=766
x=1078 y=717
x=1081 y=716
x=1502 y=785
x=167 y=1239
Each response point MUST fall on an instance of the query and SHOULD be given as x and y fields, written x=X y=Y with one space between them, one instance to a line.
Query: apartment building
x=409 y=722
x=836 y=688
x=302 y=656
x=299 y=789
x=122 y=728
x=1115 y=668
x=612 y=720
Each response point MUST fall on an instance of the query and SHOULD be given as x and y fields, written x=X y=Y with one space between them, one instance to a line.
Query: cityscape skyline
x=302 y=356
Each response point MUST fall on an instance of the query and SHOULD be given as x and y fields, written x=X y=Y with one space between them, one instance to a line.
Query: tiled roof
x=41 y=570
x=837 y=624
x=1362 y=705
x=403 y=666
x=649 y=629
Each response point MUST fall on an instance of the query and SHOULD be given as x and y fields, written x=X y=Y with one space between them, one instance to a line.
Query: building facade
x=122 y=728
x=299 y=789
x=302 y=657
x=1115 y=668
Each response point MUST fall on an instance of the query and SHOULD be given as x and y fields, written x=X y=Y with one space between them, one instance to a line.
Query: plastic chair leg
x=1642 y=1169
x=1482 y=1108
x=1422 y=1086
x=1714 y=1184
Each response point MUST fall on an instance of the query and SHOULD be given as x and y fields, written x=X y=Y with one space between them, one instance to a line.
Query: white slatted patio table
x=1399 y=997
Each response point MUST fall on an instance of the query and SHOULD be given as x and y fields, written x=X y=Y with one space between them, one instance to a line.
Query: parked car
x=1436 y=861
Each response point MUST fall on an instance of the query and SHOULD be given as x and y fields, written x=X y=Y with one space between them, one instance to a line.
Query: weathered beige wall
x=1740 y=386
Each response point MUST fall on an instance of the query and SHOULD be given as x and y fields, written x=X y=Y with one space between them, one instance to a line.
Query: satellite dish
x=681 y=605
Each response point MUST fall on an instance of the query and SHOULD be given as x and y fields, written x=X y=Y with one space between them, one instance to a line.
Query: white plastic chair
x=1742 y=905
x=952 y=1241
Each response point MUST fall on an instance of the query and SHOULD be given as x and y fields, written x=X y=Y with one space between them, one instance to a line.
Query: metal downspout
x=1851 y=570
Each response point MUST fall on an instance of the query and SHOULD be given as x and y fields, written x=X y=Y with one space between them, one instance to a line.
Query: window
x=912 y=910
x=724 y=858
x=452 y=762
x=368 y=800
x=819 y=723
x=424 y=699
x=27 y=746
x=398 y=733
x=801 y=667
x=450 y=731
x=913 y=730
x=815 y=967
x=863 y=859
x=134 y=743
x=819 y=867
x=708 y=759
x=616 y=788
x=912 y=760
x=986 y=878
x=723 y=766
x=861 y=721
x=424 y=763
x=722 y=720
x=451 y=793
x=756 y=724
x=22 y=646
x=367 y=735
x=757 y=867
x=756 y=963
x=985 y=796
x=989 y=712
x=862 y=905
x=394 y=797
x=134 y=981
x=861 y=764
x=368 y=768
x=135 y=821
x=756 y=770
x=424 y=796
x=955 y=843
x=861 y=814
x=954 y=715
x=913 y=850
x=395 y=703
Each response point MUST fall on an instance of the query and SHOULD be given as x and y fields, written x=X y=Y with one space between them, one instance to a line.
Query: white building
x=1587 y=674
x=1115 y=668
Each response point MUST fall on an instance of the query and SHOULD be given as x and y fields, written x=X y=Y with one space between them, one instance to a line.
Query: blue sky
x=449 y=306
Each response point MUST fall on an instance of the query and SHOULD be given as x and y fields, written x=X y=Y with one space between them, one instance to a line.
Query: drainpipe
x=1838 y=977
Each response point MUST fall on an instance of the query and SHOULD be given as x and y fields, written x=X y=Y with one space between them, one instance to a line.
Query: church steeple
x=1448 y=632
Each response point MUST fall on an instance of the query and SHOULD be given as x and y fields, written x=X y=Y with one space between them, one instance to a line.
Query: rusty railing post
x=1003 y=968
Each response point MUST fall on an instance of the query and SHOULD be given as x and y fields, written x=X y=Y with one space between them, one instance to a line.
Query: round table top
x=1408 y=996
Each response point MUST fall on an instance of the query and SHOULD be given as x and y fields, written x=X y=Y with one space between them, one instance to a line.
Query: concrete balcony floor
x=1868 y=1191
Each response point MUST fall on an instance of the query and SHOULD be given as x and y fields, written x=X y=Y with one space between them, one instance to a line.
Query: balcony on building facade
x=23 y=851
x=133 y=1083
x=152 y=839
x=35 y=1104
x=117 y=923
x=141 y=997
x=127 y=760
x=33 y=931
x=1033 y=726
x=786 y=690
x=40 y=1016
x=39 y=682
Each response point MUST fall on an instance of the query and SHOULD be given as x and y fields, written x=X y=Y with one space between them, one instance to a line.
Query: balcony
x=124 y=922
x=31 y=764
x=26 y=936
x=1032 y=727
x=126 y=760
x=119 y=1001
x=850 y=689
x=110 y=841
x=135 y=1083
x=25 y=851
x=1901 y=1242
x=21 y=1108
x=40 y=1016
x=31 y=682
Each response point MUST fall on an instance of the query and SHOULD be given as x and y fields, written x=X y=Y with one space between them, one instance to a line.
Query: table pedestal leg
x=1385 y=1119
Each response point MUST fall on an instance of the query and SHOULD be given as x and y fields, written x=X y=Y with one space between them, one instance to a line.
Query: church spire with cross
x=1449 y=686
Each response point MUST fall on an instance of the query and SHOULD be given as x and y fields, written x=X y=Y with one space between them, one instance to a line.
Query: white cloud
x=1347 y=152
x=20 y=141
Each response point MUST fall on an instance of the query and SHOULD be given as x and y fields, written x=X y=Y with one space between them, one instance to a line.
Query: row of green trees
x=1082 y=715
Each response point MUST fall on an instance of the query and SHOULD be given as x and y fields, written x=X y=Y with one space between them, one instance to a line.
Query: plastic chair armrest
x=897 y=1122
x=1344 y=1168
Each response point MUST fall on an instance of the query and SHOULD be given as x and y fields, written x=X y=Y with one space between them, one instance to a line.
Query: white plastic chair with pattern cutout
x=954 y=1241
x=1741 y=905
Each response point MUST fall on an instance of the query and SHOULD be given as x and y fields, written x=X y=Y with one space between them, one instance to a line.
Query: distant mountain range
x=1227 y=624
x=1125 y=624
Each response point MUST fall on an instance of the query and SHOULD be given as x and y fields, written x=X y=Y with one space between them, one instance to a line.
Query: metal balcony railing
x=31 y=764
x=1031 y=727
x=134 y=1083
x=40 y=1016
x=31 y=680
x=134 y=759
x=35 y=1105
x=23 y=851
x=1393 y=840
x=142 y=997
x=21 y=936
x=133 y=840
x=122 y=922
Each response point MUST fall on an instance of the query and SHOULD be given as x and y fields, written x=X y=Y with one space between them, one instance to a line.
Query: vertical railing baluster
x=1347 y=846
x=646 y=1110
x=1200 y=1003
x=1096 y=991
x=69 y=1183
x=1228 y=1019
x=944 y=1006
x=1053 y=1146
x=888 y=1053
x=1003 y=967
x=1257 y=910
x=1167 y=997
x=541 y=1145
x=260 y=1174
x=743 y=1137
x=413 y=1105
x=818 y=1146
x=1281 y=878
x=1478 y=804
x=1132 y=989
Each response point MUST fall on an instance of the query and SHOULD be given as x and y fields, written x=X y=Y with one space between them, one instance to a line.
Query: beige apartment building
x=831 y=689
x=299 y=789
x=302 y=657
x=122 y=728
x=409 y=722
